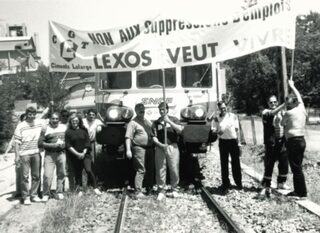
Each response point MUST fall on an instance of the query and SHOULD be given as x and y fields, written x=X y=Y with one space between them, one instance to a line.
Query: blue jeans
x=54 y=160
x=33 y=163
x=296 y=147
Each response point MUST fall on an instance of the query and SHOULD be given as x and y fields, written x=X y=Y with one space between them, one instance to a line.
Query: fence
x=252 y=131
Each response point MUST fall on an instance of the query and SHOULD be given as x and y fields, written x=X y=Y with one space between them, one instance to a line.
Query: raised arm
x=277 y=109
x=295 y=91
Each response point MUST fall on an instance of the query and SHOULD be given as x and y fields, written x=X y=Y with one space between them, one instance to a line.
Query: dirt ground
x=25 y=219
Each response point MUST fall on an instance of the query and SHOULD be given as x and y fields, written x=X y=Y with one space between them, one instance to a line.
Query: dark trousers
x=191 y=166
x=77 y=166
x=226 y=147
x=296 y=147
x=275 y=152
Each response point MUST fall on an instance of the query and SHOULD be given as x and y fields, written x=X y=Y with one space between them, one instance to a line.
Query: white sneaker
x=175 y=194
x=97 y=191
x=282 y=186
x=160 y=197
x=45 y=198
x=265 y=192
x=36 y=199
x=27 y=201
x=60 y=196
x=140 y=195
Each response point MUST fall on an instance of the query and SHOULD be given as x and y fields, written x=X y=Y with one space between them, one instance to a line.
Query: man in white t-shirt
x=227 y=125
x=52 y=140
x=294 y=122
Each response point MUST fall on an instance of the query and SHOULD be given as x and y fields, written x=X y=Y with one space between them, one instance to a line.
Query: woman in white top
x=93 y=125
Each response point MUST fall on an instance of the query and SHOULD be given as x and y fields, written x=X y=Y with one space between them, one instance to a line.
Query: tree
x=46 y=87
x=7 y=89
x=253 y=78
x=38 y=86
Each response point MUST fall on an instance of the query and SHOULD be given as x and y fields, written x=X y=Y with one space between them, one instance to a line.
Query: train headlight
x=119 y=113
x=114 y=113
x=195 y=112
x=199 y=113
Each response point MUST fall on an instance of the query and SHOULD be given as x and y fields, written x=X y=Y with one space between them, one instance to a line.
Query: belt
x=296 y=137
x=144 y=147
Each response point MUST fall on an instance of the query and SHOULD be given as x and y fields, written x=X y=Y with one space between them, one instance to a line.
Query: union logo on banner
x=68 y=50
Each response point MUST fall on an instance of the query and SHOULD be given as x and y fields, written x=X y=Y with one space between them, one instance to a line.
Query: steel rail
x=121 y=211
x=206 y=195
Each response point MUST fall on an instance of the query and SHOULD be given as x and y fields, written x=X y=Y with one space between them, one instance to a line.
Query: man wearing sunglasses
x=274 y=145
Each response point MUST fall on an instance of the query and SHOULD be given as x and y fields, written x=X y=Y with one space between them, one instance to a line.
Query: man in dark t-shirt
x=166 y=153
x=274 y=145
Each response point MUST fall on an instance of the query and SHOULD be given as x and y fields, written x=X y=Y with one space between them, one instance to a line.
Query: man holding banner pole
x=294 y=122
x=166 y=153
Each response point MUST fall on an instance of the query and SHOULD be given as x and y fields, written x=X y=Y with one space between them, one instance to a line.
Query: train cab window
x=196 y=76
x=153 y=78
x=115 y=80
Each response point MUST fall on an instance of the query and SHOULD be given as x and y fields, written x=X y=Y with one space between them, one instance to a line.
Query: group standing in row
x=70 y=146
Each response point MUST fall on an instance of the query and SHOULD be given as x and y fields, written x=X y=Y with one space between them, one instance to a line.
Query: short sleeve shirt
x=228 y=124
x=92 y=127
x=294 y=121
x=158 y=130
x=139 y=132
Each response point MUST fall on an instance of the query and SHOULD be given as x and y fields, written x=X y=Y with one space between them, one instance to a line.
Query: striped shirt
x=27 y=135
x=57 y=134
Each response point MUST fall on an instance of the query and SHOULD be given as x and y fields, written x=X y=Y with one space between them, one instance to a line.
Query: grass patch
x=60 y=217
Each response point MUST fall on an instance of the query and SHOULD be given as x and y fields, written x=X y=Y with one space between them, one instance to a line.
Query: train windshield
x=116 y=80
x=153 y=78
x=196 y=76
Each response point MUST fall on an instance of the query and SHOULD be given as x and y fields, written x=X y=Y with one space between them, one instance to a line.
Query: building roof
x=24 y=43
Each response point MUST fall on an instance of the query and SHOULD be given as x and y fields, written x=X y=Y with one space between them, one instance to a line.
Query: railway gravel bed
x=274 y=214
x=253 y=157
x=186 y=213
x=101 y=217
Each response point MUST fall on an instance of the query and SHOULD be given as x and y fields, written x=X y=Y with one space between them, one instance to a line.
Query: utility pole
x=284 y=72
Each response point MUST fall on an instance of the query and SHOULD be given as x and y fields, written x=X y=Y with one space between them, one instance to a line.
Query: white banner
x=164 y=42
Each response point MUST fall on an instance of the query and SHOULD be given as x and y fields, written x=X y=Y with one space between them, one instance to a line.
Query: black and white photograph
x=148 y=116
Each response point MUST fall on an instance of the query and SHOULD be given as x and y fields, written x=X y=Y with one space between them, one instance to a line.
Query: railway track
x=213 y=205
x=121 y=212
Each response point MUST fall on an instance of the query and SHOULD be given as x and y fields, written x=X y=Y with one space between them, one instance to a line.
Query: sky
x=103 y=14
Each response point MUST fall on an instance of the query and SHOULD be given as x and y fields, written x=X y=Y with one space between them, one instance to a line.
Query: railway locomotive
x=191 y=93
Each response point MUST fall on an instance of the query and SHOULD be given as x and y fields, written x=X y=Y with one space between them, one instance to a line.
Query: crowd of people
x=68 y=144
x=153 y=147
